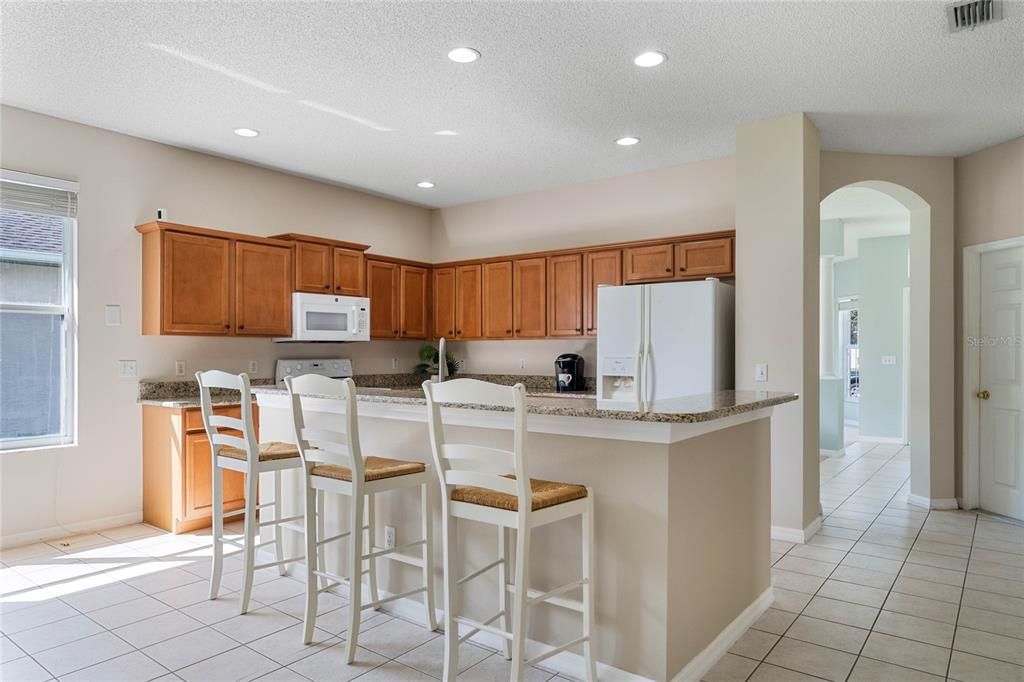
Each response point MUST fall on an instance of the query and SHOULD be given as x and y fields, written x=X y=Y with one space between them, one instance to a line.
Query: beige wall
x=123 y=181
x=989 y=207
x=926 y=186
x=777 y=236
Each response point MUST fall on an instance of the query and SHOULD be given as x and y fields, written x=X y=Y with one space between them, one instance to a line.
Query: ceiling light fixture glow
x=649 y=59
x=463 y=55
x=627 y=141
x=246 y=132
x=447 y=133
x=425 y=184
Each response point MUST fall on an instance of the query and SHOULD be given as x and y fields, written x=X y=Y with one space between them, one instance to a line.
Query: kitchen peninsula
x=682 y=497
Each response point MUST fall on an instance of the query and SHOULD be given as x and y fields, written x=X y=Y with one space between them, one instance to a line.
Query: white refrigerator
x=661 y=341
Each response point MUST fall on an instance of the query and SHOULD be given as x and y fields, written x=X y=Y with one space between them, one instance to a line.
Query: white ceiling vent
x=972 y=13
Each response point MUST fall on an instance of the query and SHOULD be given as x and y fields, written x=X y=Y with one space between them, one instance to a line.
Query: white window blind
x=38 y=223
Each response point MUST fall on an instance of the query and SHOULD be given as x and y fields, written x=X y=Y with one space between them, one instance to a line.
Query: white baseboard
x=893 y=440
x=942 y=504
x=702 y=663
x=832 y=453
x=797 y=535
x=45 y=534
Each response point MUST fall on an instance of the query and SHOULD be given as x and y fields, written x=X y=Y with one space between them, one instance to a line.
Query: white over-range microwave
x=327 y=318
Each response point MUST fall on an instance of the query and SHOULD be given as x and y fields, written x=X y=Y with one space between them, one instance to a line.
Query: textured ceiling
x=352 y=92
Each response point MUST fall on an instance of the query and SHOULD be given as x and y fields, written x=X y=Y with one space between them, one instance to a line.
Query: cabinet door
x=444 y=302
x=530 y=298
x=706 y=258
x=198 y=488
x=413 y=302
x=648 y=263
x=497 y=300
x=565 y=295
x=382 y=289
x=349 y=272
x=196 y=286
x=263 y=290
x=313 y=268
x=599 y=268
x=467 y=302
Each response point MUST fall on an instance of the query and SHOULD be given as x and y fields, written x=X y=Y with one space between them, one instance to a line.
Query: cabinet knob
x=227 y=326
x=519 y=331
x=508 y=331
x=578 y=330
x=668 y=269
x=327 y=286
x=241 y=326
x=682 y=269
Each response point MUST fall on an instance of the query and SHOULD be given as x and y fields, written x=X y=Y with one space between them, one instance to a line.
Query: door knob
x=984 y=395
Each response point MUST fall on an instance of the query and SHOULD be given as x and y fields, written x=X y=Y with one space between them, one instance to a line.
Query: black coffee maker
x=569 y=373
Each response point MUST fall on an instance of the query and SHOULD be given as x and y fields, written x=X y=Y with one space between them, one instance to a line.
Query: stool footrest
x=475 y=629
x=277 y=522
x=557 y=650
x=404 y=558
x=339 y=536
x=480 y=626
x=380 y=553
x=393 y=597
x=480 y=571
x=282 y=562
x=551 y=597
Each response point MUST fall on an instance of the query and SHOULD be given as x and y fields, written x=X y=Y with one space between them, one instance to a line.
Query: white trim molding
x=891 y=440
x=938 y=503
x=832 y=453
x=971 y=369
x=55 y=532
x=797 y=535
x=702 y=663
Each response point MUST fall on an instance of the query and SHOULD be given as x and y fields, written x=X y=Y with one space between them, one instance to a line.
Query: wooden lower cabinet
x=177 y=469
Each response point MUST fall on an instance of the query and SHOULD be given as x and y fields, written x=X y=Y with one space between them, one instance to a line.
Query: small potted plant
x=429 y=364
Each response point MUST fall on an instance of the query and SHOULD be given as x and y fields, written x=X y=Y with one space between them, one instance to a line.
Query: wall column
x=777 y=306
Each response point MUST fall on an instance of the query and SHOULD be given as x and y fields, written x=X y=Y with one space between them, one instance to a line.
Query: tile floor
x=888 y=591
x=131 y=604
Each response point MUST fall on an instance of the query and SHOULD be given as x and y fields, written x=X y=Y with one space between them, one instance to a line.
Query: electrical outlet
x=127 y=368
x=761 y=372
x=522 y=363
x=179 y=368
x=390 y=537
x=888 y=359
x=254 y=367
x=394 y=363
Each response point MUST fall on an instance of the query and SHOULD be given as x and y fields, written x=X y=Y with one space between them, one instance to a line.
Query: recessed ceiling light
x=445 y=132
x=627 y=141
x=425 y=184
x=648 y=59
x=246 y=132
x=463 y=55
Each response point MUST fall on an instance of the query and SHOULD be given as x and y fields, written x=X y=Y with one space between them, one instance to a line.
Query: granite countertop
x=691 y=409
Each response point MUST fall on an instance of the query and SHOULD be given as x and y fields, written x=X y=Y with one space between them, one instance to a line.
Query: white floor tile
x=47 y=636
x=133 y=667
x=184 y=650
x=82 y=653
x=235 y=665
x=157 y=629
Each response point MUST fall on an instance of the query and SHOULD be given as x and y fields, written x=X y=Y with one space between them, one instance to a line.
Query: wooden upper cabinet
x=705 y=258
x=413 y=302
x=600 y=268
x=497 y=300
x=349 y=272
x=565 y=295
x=263 y=290
x=530 y=298
x=382 y=288
x=195 y=292
x=313 y=268
x=444 y=302
x=468 y=291
x=647 y=263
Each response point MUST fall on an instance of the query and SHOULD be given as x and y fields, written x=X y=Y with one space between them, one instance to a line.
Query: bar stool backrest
x=327 y=446
x=464 y=464
x=214 y=423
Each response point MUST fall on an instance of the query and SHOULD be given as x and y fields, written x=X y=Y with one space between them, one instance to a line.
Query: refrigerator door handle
x=648 y=378
x=641 y=338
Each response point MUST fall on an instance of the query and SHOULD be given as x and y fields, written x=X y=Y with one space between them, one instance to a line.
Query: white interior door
x=1002 y=382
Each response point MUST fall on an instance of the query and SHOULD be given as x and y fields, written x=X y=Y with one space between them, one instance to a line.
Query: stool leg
x=588 y=589
x=519 y=599
x=355 y=580
x=218 y=529
x=371 y=541
x=312 y=555
x=428 y=557
x=451 y=628
x=278 y=531
x=321 y=557
x=249 y=552
x=504 y=578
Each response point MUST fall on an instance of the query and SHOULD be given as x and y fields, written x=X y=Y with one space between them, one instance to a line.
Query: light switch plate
x=127 y=368
x=254 y=367
x=179 y=368
x=761 y=372
x=113 y=315
x=888 y=359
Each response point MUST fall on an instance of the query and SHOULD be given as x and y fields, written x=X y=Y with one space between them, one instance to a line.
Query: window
x=849 y=321
x=37 y=311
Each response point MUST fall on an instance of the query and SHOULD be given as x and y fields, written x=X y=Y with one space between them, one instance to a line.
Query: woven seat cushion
x=268 y=451
x=545 y=494
x=376 y=468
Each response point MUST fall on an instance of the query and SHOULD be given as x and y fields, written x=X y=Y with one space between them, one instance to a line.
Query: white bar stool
x=489 y=485
x=333 y=463
x=244 y=454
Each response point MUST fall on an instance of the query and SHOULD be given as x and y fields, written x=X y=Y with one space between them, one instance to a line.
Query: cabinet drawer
x=194 y=416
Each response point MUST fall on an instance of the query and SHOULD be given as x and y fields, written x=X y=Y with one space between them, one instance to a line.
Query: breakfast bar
x=682 y=516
